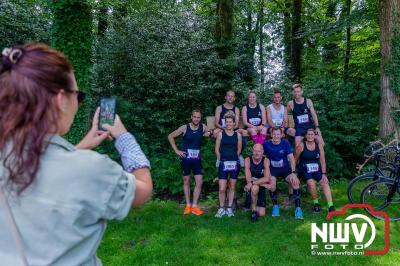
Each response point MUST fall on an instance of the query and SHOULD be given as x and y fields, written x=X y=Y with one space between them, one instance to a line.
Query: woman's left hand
x=94 y=137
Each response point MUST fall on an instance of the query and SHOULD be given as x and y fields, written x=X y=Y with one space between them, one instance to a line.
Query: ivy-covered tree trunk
x=72 y=34
x=297 y=43
x=389 y=18
x=224 y=45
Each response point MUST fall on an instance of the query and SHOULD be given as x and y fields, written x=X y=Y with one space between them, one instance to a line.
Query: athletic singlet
x=254 y=115
x=301 y=115
x=310 y=159
x=257 y=170
x=228 y=148
x=277 y=116
x=191 y=142
x=224 y=110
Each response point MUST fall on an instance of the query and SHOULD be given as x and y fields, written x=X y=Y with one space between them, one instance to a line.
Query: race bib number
x=277 y=163
x=277 y=122
x=230 y=165
x=193 y=154
x=223 y=123
x=255 y=121
x=302 y=119
x=312 y=167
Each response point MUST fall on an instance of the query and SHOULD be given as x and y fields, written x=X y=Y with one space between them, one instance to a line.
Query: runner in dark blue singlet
x=257 y=176
x=312 y=168
x=227 y=149
x=190 y=157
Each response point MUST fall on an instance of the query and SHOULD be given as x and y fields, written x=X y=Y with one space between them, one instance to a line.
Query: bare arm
x=263 y=115
x=299 y=149
x=144 y=186
x=244 y=116
x=269 y=117
x=247 y=171
x=313 y=113
x=239 y=144
x=267 y=174
x=285 y=118
x=289 y=107
x=237 y=117
x=292 y=162
x=171 y=138
x=322 y=157
x=218 y=145
x=217 y=117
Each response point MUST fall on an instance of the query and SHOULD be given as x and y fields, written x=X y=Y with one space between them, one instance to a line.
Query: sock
x=315 y=201
x=255 y=138
x=262 y=138
x=296 y=194
x=330 y=204
x=274 y=197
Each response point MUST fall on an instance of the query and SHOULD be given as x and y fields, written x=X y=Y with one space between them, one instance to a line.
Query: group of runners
x=272 y=154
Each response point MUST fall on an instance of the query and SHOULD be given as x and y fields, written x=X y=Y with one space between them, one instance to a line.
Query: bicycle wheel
x=375 y=194
x=357 y=184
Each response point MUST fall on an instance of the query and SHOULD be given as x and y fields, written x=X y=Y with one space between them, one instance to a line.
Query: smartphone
x=107 y=112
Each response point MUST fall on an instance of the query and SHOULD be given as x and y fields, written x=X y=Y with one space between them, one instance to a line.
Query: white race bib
x=277 y=163
x=312 y=167
x=230 y=165
x=193 y=154
x=277 y=122
x=255 y=121
x=302 y=119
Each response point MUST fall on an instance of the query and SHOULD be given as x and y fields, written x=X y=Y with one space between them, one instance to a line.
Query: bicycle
x=384 y=168
x=384 y=195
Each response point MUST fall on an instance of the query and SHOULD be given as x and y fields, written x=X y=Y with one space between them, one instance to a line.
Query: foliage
x=72 y=33
x=24 y=21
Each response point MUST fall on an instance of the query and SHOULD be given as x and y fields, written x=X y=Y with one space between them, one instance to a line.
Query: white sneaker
x=221 y=212
x=241 y=160
x=229 y=212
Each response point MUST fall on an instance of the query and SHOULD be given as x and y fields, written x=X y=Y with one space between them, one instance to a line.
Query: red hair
x=30 y=76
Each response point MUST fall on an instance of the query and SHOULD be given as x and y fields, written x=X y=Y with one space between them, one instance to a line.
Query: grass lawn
x=159 y=234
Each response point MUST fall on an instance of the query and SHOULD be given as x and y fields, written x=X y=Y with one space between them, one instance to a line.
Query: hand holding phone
x=107 y=112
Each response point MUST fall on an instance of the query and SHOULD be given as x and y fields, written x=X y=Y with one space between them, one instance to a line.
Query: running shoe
x=229 y=212
x=187 y=210
x=332 y=209
x=221 y=212
x=298 y=213
x=254 y=216
x=317 y=208
x=275 y=211
x=197 y=211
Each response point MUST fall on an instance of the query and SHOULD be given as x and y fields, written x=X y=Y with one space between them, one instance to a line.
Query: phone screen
x=107 y=112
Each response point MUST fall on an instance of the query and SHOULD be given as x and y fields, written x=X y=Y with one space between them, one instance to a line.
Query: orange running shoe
x=187 y=210
x=197 y=211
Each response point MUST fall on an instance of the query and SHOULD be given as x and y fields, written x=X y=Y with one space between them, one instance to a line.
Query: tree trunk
x=287 y=36
x=261 y=44
x=297 y=44
x=224 y=46
x=388 y=19
x=348 y=42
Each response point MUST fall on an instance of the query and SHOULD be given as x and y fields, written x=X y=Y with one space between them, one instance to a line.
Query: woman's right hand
x=117 y=129
x=181 y=154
